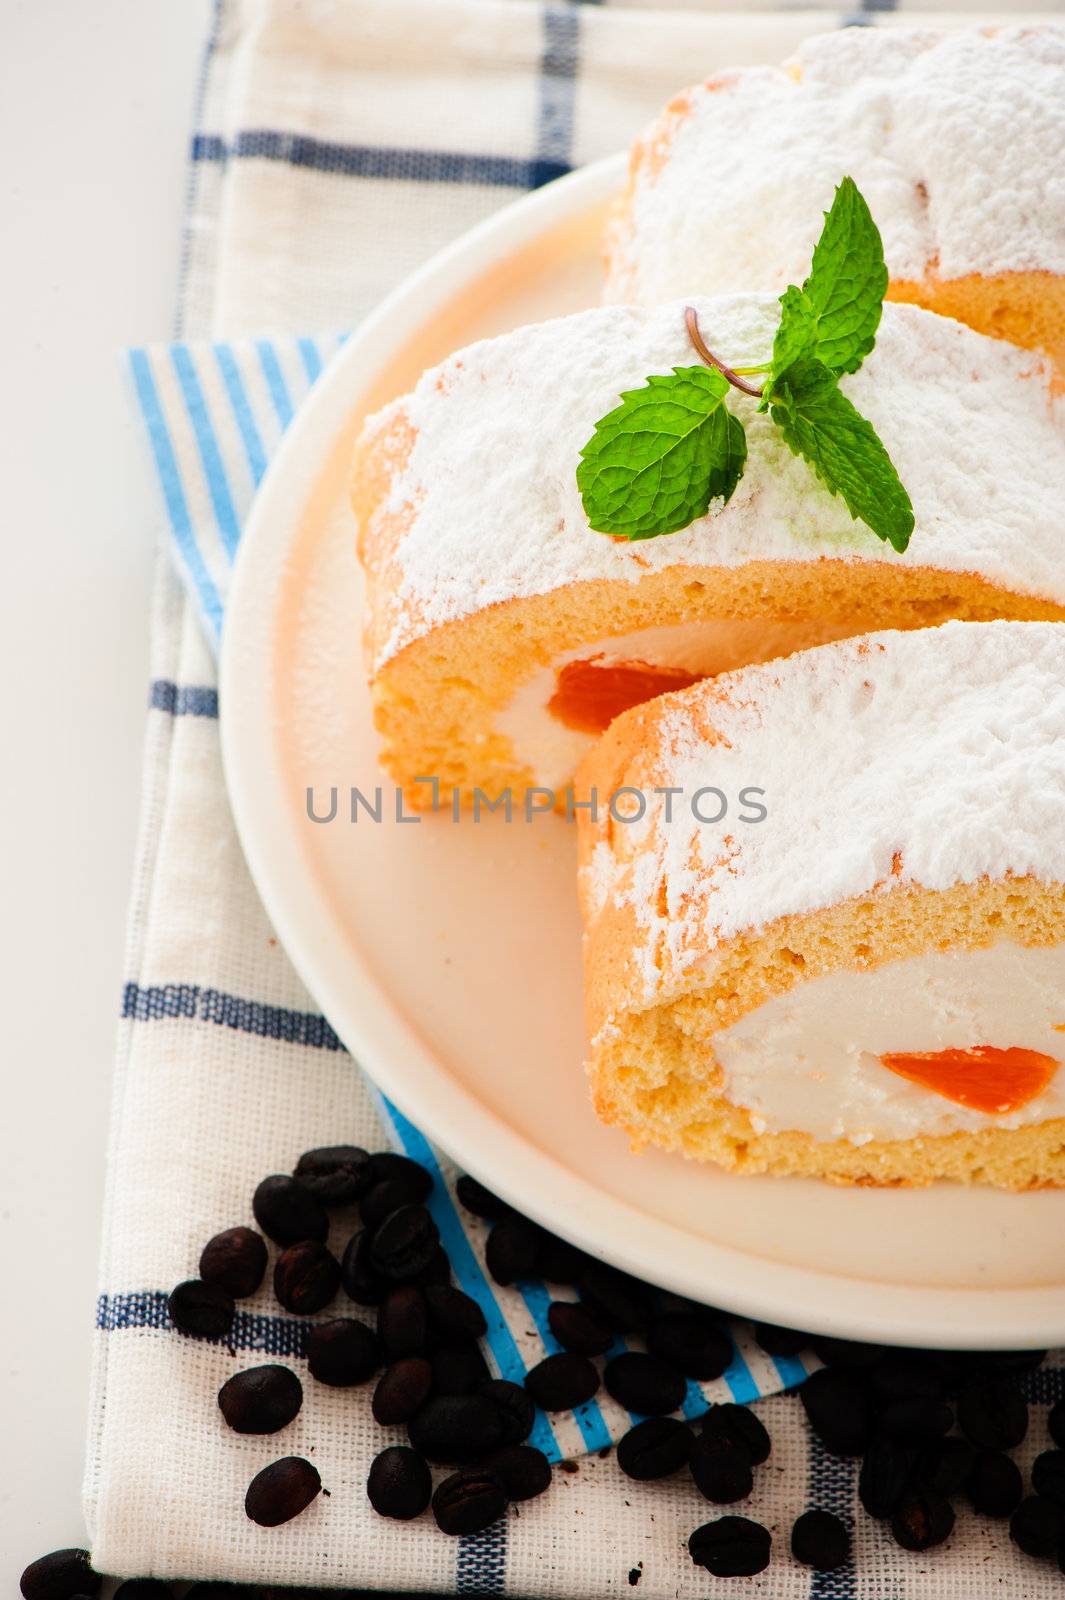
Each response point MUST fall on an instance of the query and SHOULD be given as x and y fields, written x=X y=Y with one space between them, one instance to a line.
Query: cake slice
x=858 y=972
x=503 y=634
x=957 y=141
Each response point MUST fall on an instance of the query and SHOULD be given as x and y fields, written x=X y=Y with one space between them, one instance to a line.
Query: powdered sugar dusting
x=489 y=503
x=944 y=762
x=957 y=141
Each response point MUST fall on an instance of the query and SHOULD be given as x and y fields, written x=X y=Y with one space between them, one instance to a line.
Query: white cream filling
x=809 y=1061
x=552 y=751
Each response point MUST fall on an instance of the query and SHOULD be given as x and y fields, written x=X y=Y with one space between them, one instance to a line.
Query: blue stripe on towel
x=242 y=411
x=173 y=489
x=312 y=361
x=791 y=1370
x=275 y=381
x=738 y=1377
x=467 y=1268
x=207 y=446
x=589 y=1418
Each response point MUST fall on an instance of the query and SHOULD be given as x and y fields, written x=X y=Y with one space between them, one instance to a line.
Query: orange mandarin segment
x=984 y=1078
x=590 y=694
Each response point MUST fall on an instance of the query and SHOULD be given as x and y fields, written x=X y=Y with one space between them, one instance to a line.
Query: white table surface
x=95 y=109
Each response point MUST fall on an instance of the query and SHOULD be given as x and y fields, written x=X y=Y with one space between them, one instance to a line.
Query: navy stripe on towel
x=831 y=1487
x=251 y=1330
x=155 y=1001
x=558 y=83
x=482 y=1561
x=371 y=161
x=183 y=699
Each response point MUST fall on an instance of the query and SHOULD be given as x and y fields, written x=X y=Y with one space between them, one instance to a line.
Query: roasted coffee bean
x=403 y=1323
x=342 y=1352
x=721 y=1470
x=281 y=1491
x=1037 y=1526
x=885 y=1476
x=458 y=1369
x=853 y=1355
x=820 y=1540
x=731 y=1547
x=260 y=1399
x=384 y=1198
x=479 y=1201
x=521 y=1471
x=361 y=1282
x=459 y=1428
x=561 y=1382
x=836 y=1405
x=777 y=1341
x=993 y=1415
x=454 y=1317
x=400 y=1484
x=1048 y=1476
x=201 y=1310
x=994 y=1484
x=915 y=1421
x=623 y=1303
x=336 y=1174
x=144 y=1589
x=644 y=1384
x=436 y=1273
x=234 y=1261
x=306 y=1278
x=741 y=1427
x=467 y=1502
x=516 y=1410
x=513 y=1250
x=907 y=1375
x=288 y=1212
x=386 y=1165
x=579 y=1329
x=404 y=1244
x=1056 y=1423
x=944 y=1465
x=60 y=1575
x=560 y=1261
x=402 y=1389
x=655 y=1448
x=692 y=1344
x=923 y=1519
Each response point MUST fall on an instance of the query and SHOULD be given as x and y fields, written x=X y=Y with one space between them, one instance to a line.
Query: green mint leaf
x=654 y=464
x=820 y=424
x=796 y=335
x=835 y=315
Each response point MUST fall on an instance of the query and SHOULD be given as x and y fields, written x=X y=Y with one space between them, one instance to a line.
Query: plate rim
x=364 y=1016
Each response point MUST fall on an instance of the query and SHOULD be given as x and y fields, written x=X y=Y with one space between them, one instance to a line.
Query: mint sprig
x=656 y=463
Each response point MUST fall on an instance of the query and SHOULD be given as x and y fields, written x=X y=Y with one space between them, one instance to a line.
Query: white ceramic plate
x=447 y=955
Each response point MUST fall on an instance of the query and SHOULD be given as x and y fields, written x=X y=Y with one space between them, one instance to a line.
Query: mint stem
x=691 y=322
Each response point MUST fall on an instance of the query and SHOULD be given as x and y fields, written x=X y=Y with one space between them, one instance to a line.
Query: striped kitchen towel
x=338 y=144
